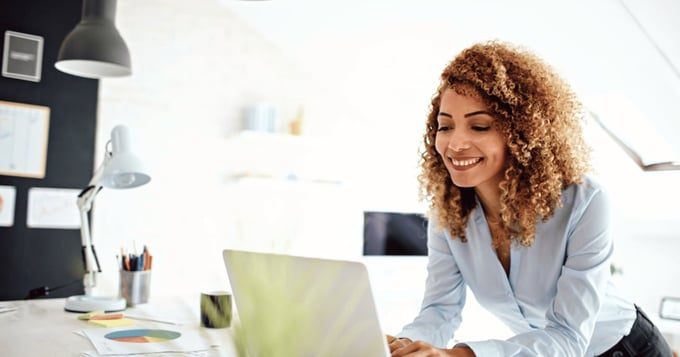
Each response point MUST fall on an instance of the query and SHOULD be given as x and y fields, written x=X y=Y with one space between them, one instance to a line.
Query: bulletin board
x=24 y=130
x=39 y=247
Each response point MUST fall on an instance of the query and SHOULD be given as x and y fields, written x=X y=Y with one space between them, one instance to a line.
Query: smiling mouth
x=465 y=163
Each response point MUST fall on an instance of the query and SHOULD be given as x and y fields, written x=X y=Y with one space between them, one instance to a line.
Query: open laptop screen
x=302 y=306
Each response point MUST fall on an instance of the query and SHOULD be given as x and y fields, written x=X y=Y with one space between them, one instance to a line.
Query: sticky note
x=113 y=323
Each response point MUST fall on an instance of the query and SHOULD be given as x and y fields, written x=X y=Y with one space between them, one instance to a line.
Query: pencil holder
x=135 y=286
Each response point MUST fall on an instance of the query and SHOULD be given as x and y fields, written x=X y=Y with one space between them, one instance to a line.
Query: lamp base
x=84 y=303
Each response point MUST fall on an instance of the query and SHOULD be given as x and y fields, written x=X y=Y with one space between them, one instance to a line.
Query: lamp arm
x=84 y=202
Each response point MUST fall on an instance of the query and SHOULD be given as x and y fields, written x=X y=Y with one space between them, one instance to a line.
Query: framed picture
x=24 y=130
x=22 y=56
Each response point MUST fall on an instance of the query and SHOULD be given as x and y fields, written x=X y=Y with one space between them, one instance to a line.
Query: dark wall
x=31 y=258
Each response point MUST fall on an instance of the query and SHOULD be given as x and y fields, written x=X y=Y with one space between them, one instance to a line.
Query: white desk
x=43 y=328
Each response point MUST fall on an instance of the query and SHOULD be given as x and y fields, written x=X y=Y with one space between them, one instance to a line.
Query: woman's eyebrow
x=476 y=113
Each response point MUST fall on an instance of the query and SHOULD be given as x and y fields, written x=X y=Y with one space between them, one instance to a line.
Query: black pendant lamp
x=94 y=48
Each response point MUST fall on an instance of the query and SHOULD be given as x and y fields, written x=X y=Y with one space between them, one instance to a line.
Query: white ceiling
x=622 y=56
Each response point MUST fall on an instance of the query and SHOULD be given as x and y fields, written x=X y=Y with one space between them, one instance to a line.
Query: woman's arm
x=440 y=313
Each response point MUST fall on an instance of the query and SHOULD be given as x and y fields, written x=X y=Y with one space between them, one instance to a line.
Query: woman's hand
x=400 y=347
x=396 y=343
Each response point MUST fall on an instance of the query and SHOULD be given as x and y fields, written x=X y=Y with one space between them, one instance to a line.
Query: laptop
x=300 y=306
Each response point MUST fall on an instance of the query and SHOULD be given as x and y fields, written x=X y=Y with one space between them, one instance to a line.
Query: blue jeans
x=643 y=340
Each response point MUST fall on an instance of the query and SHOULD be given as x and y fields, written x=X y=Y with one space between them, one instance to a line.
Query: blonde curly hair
x=540 y=118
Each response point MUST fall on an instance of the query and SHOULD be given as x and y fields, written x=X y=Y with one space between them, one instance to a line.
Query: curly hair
x=539 y=117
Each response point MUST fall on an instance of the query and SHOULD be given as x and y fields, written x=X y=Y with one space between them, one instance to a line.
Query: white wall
x=195 y=68
x=364 y=74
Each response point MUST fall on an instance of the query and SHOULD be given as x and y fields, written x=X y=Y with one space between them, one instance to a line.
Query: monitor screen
x=395 y=233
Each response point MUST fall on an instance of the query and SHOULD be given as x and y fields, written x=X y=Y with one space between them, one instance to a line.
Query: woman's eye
x=481 y=128
x=443 y=128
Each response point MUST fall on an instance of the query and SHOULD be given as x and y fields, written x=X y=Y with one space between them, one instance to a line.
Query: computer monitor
x=394 y=233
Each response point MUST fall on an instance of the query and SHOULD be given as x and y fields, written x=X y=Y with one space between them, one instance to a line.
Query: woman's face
x=472 y=149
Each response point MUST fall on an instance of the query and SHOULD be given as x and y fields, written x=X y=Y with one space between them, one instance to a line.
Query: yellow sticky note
x=113 y=323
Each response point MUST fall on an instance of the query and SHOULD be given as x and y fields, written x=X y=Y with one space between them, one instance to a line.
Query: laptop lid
x=299 y=306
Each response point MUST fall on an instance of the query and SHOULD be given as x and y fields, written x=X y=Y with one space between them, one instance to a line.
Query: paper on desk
x=7 y=308
x=206 y=353
x=168 y=314
x=132 y=340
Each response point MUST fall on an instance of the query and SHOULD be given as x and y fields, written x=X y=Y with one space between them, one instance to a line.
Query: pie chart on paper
x=143 y=335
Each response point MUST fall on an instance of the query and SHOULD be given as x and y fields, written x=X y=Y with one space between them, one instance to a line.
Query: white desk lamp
x=120 y=169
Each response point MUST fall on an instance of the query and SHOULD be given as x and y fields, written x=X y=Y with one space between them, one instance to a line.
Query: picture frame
x=670 y=308
x=22 y=56
x=24 y=132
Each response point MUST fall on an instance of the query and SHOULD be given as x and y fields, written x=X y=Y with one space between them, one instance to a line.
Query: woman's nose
x=458 y=141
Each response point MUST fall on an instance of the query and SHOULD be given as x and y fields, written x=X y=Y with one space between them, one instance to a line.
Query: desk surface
x=43 y=328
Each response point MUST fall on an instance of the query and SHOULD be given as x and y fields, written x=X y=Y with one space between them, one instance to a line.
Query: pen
x=149 y=260
x=135 y=262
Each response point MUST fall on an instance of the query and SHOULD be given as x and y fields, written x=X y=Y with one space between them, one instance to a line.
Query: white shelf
x=282 y=157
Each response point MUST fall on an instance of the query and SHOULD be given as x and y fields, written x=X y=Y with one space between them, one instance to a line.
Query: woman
x=515 y=218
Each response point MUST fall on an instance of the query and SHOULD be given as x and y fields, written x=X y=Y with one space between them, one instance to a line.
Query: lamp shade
x=94 y=48
x=124 y=170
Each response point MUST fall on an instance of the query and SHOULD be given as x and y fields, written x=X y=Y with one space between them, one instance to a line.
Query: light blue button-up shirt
x=557 y=299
